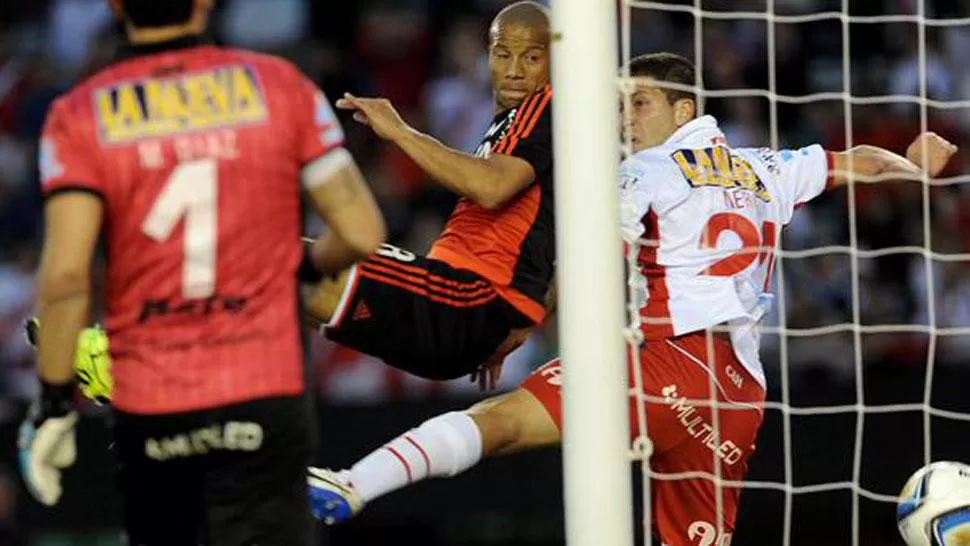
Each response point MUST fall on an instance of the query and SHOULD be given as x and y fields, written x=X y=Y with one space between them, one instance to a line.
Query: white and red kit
x=704 y=220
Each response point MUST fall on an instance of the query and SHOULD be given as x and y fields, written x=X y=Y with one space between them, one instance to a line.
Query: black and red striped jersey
x=514 y=246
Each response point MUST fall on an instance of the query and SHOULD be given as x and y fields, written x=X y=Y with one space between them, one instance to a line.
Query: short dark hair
x=158 y=13
x=525 y=13
x=666 y=67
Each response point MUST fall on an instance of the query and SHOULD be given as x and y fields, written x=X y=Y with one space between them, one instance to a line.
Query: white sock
x=441 y=447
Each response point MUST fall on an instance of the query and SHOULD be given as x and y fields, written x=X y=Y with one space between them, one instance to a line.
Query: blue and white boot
x=332 y=496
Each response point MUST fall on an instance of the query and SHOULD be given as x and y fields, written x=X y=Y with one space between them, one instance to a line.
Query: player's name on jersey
x=717 y=166
x=226 y=96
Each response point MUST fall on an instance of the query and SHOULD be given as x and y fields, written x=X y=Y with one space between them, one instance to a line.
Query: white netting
x=940 y=317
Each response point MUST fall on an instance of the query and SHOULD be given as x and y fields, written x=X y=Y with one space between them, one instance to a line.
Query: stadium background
x=428 y=57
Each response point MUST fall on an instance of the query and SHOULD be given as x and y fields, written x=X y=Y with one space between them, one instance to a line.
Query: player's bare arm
x=870 y=161
x=72 y=223
x=488 y=181
x=356 y=229
x=938 y=152
x=339 y=194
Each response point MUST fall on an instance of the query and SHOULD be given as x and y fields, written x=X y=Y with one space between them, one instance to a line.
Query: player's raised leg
x=441 y=447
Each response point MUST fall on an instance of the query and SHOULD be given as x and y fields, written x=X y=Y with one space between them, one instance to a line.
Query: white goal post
x=597 y=477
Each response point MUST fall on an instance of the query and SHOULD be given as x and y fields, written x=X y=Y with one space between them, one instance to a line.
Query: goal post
x=596 y=443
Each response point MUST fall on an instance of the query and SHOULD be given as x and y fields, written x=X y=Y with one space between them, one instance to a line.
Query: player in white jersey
x=710 y=216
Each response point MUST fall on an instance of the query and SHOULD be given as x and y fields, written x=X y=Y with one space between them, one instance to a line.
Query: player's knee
x=513 y=422
x=499 y=427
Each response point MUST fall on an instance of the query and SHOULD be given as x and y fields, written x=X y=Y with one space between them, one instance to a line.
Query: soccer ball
x=934 y=506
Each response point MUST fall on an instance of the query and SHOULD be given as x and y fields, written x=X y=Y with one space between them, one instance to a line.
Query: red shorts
x=676 y=372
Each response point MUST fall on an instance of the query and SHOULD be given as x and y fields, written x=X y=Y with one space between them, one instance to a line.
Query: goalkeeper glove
x=92 y=361
x=46 y=442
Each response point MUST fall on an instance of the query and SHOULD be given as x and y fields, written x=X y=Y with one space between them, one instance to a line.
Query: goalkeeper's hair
x=669 y=68
x=158 y=13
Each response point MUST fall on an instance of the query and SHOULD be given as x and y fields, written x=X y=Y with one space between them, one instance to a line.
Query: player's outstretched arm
x=489 y=182
x=340 y=195
x=871 y=161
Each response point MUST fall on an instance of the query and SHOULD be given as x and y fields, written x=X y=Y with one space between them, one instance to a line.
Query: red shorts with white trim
x=681 y=378
x=422 y=315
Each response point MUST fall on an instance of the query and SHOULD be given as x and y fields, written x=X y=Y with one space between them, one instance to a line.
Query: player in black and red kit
x=192 y=161
x=442 y=315
x=485 y=281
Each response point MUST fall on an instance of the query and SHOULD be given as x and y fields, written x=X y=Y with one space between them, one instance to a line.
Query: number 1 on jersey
x=191 y=192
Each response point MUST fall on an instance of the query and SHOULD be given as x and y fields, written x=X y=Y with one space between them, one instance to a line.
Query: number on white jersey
x=755 y=245
x=191 y=192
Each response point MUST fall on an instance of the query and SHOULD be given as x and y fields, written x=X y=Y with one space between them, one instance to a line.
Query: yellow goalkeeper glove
x=92 y=361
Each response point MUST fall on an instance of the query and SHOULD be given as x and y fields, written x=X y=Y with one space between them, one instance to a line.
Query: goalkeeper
x=212 y=442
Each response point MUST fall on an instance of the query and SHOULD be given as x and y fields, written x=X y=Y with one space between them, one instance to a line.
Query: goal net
x=871 y=321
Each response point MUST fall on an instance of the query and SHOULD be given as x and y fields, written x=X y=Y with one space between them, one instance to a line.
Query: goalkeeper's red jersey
x=196 y=152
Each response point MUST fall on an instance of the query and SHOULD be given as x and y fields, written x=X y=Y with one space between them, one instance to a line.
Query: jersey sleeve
x=65 y=160
x=802 y=174
x=530 y=135
x=637 y=195
x=319 y=130
x=320 y=144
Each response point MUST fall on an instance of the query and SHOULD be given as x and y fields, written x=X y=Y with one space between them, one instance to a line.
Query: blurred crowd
x=429 y=58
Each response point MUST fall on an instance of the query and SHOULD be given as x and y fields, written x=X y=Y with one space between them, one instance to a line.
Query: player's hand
x=378 y=114
x=489 y=373
x=938 y=152
x=92 y=361
x=46 y=442
x=92 y=365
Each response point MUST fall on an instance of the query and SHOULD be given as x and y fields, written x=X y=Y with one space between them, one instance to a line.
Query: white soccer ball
x=934 y=507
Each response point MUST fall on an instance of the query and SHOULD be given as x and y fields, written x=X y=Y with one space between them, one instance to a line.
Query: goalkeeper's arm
x=72 y=224
x=929 y=151
x=340 y=195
